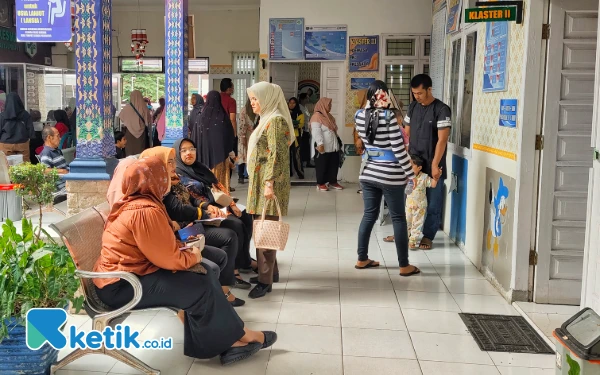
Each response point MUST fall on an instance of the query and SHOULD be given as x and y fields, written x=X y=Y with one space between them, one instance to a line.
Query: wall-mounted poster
x=364 y=53
x=360 y=83
x=286 y=38
x=438 y=5
x=454 y=13
x=508 y=113
x=437 y=67
x=43 y=21
x=325 y=42
x=496 y=57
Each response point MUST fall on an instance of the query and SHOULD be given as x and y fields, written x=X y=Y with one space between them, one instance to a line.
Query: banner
x=325 y=42
x=364 y=53
x=286 y=38
x=496 y=57
x=43 y=21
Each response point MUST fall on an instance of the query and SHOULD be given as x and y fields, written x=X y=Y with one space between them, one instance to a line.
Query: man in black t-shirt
x=427 y=124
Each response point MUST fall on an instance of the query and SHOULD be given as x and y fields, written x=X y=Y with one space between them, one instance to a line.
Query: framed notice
x=508 y=113
x=496 y=57
x=454 y=14
x=43 y=21
x=364 y=53
x=437 y=64
x=286 y=38
x=325 y=42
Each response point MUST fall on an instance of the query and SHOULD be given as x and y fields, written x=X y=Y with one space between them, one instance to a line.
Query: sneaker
x=336 y=186
x=322 y=188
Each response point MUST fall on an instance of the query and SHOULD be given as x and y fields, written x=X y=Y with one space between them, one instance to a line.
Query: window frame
x=255 y=73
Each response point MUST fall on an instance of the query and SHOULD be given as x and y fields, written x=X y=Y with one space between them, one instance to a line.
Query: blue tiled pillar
x=176 y=70
x=93 y=70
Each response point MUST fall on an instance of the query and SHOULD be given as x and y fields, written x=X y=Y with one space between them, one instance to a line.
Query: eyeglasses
x=186 y=150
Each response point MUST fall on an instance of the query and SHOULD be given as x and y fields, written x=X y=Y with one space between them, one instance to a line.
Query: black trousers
x=305 y=147
x=208 y=313
x=242 y=226
x=327 y=166
x=295 y=161
x=226 y=240
x=214 y=260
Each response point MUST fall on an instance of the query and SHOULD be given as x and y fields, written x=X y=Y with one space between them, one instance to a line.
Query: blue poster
x=360 y=83
x=364 y=53
x=286 y=38
x=454 y=14
x=508 y=113
x=325 y=42
x=43 y=21
x=496 y=51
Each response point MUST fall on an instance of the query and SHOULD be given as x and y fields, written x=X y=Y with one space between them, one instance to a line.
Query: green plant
x=33 y=273
x=36 y=183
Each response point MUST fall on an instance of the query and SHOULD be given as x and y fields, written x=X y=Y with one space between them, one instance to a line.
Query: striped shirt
x=388 y=137
x=53 y=158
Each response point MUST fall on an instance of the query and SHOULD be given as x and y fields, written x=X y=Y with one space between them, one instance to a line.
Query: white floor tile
x=373 y=343
x=169 y=362
x=434 y=322
x=380 y=366
x=445 y=368
x=388 y=318
x=459 y=285
x=365 y=280
x=426 y=301
x=484 y=304
x=303 y=278
x=314 y=264
x=548 y=309
x=419 y=283
x=368 y=297
x=464 y=271
x=448 y=348
x=163 y=326
x=525 y=371
x=255 y=365
x=310 y=314
x=317 y=252
x=313 y=295
x=95 y=362
x=263 y=312
x=290 y=363
x=308 y=339
x=74 y=372
x=524 y=360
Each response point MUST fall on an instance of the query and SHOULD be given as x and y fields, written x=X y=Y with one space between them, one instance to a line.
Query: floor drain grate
x=504 y=333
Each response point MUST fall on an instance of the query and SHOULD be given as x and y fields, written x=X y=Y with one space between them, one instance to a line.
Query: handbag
x=341 y=151
x=268 y=234
x=150 y=129
x=221 y=198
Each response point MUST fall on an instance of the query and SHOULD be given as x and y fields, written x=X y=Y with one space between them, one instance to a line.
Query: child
x=416 y=202
x=120 y=142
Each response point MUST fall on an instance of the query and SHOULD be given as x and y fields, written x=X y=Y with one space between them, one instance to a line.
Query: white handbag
x=268 y=234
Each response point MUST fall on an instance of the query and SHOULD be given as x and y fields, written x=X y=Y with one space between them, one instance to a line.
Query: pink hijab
x=322 y=115
x=115 y=189
x=161 y=127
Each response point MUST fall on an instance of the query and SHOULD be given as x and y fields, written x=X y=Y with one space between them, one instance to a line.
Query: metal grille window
x=426 y=47
x=400 y=47
x=246 y=63
x=397 y=78
x=426 y=69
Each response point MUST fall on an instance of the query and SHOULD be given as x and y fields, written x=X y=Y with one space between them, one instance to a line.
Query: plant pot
x=17 y=359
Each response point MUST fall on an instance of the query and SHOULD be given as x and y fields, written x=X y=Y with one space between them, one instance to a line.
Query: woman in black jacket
x=16 y=128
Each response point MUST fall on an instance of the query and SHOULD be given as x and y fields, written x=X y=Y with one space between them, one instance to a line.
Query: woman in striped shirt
x=387 y=170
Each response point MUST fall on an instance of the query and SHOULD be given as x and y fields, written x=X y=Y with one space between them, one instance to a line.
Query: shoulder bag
x=268 y=234
x=149 y=128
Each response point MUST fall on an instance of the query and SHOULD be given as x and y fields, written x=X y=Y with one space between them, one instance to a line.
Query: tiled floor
x=332 y=319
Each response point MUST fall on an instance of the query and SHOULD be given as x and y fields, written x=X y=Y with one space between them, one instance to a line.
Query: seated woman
x=138 y=238
x=200 y=182
x=184 y=213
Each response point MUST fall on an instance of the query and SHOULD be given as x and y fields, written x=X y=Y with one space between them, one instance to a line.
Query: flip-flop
x=389 y=239
x=416 y=271
x=426 y=242
x=371 y=264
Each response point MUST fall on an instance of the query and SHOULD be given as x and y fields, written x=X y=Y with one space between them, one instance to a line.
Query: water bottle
x=409 y=187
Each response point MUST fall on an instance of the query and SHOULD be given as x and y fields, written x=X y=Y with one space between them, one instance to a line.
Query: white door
x=565 y=158
x=286 y=76
x=240 y=83
x=333 y=86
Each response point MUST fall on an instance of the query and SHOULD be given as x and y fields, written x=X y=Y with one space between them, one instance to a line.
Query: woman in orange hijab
x=138 y=238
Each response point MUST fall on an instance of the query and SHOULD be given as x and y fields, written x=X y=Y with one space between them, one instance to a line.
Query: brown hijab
x=164 y=153
x=115 y=189
x=323 y=116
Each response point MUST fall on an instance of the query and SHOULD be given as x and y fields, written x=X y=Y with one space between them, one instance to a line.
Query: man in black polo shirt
x=427 y=124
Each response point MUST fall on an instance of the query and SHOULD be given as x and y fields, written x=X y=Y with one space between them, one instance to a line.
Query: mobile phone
x=185 y=248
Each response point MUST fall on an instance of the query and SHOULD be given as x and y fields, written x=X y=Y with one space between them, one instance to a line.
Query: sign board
x=496 y=57
x=454 y=13
x=199 y=65
x=350 y=150
x=490 y=14
x=364 y=53
x=508 y=113
x=43 y=21
x=361 y=83
x=325 y=42
x=286 y=38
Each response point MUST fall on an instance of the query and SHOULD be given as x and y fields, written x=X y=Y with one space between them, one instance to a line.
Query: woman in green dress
x=268 y=168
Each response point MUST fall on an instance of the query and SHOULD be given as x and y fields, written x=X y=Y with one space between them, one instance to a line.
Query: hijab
x=162 y=152
x=323 y=116
x=197 y=110
x=14 y=108
x=134 y=124
x=250 y=112
x=379 y=101
x=215 y=132
x=61 y=117
x=196 y=171
x=115 y=189
x=272 y=105
x=145 y=182
x=296 y=111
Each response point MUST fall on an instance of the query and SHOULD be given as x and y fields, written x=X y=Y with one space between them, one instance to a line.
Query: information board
x=286 y=38
x=508 y=113
x=454 y=14
x=437 y=64
x=43 y=21
x=496 y=57
x=325 y=42
x=364 y=53
x=360 y=83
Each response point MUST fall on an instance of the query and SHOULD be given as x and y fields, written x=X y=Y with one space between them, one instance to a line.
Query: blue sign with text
x=508 y=113
x=360 y=83
x=286 y=38
x=43 y=21
x=325 y=42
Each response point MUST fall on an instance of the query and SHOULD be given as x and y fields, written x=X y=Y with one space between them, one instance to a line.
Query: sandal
x=241 y=283
x=371 y=264
x=389 y=239
x=236 y=302
x=426 y=244
x=412 y=246
x=415 y=271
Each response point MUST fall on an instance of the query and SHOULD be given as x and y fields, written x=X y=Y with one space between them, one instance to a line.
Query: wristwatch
x=268 y=184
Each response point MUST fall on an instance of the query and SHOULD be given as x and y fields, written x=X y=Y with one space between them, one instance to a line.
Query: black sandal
x=241 y=283
x=236 y=302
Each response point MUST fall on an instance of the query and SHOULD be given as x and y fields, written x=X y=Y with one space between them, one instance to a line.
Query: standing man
x=427 y=124
x=230 y=106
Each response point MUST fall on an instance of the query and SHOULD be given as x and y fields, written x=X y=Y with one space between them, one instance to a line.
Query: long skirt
x=135 y=145
x=221 y=171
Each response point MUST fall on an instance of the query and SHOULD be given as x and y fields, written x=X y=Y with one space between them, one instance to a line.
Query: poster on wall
x=361 y=83
x=438 y=5
x=454 y=13
x=437 y=64
x=43 y=20
x=496 y=51
x=508 y=113
x=325 y=42
x=286 y=38
x=498 y=225
x=364 y=53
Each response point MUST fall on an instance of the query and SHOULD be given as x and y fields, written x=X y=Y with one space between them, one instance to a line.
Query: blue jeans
x=372 y=194
x=435 y=202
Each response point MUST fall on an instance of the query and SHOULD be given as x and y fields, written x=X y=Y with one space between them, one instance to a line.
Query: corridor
x=332 y=319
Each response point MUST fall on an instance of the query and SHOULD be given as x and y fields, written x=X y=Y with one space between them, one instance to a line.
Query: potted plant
x=34 y=272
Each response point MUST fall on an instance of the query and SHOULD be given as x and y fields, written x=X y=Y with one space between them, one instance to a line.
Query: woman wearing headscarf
x=214 y=135
x=159 y=110
x=194 y=118
x=298 y=122
x=63 y=124
x=324 y=132
x=136 y=117
x=246 y=125
x=16 y=128
x=387 y=170
x=73 y=115
x=268 y=168
x=138 y=238
x=185 y=210
x=202 y=184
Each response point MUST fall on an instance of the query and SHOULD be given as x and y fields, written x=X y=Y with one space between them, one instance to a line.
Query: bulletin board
x=437 y=64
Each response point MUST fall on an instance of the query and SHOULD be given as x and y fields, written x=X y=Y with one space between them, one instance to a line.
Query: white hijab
x=272 y=104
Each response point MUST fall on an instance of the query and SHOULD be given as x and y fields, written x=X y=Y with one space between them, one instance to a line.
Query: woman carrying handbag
x=269 y=172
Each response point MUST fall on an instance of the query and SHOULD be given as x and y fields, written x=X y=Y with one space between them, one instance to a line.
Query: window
x=400 y=47
x=145 y=65
x=246 y=63
x=397 y=78
x=467 y=103
x=454 y=85
x=54 y=97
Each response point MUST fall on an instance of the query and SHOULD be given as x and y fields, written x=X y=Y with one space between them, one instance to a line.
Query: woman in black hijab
x=16 y=128
x=194 y=119
x=214 y=138
x=298 y=120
